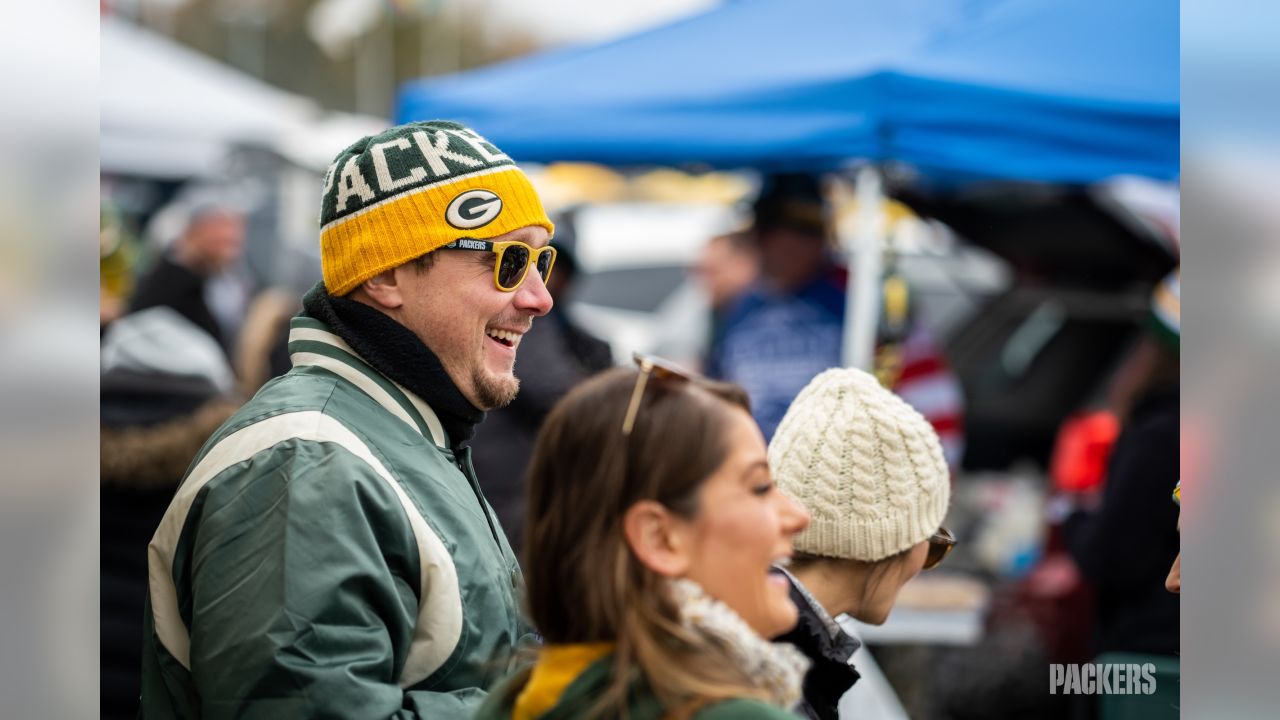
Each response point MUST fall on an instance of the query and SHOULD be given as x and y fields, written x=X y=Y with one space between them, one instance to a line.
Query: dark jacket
x=170 y=284
x=830 y=649
x=141 y=467
x=1126 y=547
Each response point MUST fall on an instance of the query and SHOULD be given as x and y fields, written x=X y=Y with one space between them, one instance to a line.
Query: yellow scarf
x=557 y=667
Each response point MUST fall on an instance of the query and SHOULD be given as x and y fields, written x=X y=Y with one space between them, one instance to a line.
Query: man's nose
x=532 y=296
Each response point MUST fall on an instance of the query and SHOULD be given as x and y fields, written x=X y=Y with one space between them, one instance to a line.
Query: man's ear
x=383 y=290
x=656 y=537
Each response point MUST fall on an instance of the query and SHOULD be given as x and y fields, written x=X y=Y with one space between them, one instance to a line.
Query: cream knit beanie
x=868 y=467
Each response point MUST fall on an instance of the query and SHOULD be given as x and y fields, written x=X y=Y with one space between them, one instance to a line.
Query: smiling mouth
x=506 y=338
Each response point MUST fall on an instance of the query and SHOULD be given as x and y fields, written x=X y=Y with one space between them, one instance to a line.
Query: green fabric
x=642 y=704
x=333 y=353
x=298 y=574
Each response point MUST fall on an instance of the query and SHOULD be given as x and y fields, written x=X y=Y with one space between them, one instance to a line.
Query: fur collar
x=157 y=456
x=777 y=668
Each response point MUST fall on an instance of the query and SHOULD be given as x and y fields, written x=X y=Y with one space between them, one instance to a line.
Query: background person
x=727 y=267
x=330 y=553
x=652 y=525
x=166 y=387
x=789 y=326
x=200 y=275
x=1127 y=544
x=871 y=471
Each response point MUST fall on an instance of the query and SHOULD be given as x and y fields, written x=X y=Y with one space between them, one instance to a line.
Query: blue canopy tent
x=1065 y=91
x=1050 y=90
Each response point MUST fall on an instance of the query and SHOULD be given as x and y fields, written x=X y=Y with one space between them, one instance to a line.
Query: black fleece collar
x=393 y=350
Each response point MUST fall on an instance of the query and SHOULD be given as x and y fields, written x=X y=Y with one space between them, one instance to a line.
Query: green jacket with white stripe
x=328 y=556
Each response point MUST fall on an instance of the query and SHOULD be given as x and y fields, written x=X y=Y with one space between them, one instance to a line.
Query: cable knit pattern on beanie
x=869 y=468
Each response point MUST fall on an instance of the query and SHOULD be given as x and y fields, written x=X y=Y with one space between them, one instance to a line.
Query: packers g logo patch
x=473 y=209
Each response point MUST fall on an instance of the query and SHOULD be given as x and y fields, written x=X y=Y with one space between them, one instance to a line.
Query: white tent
x=168 y=111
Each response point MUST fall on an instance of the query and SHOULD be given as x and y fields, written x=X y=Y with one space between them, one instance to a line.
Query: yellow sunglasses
x=512 y=259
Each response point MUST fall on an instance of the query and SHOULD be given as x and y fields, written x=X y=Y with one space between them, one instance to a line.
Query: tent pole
x=866 y=251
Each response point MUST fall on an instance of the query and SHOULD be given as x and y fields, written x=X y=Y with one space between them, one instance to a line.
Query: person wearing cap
x=871 y=471
x=789 y=325
x=329 y=552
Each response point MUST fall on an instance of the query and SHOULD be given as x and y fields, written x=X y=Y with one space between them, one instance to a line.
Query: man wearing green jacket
x=329 y=552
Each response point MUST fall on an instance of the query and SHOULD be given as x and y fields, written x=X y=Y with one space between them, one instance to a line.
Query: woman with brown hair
x=653 y=523
x=871 y=470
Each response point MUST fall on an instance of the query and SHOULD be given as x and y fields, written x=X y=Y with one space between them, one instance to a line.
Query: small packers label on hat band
x=473 y=209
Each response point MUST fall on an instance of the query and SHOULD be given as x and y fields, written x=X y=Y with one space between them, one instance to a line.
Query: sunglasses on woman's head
x=512 y=259
x=940 y=544
x=657 y=367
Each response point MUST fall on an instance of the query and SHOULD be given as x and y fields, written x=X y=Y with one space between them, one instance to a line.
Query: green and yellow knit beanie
x=398 y=195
